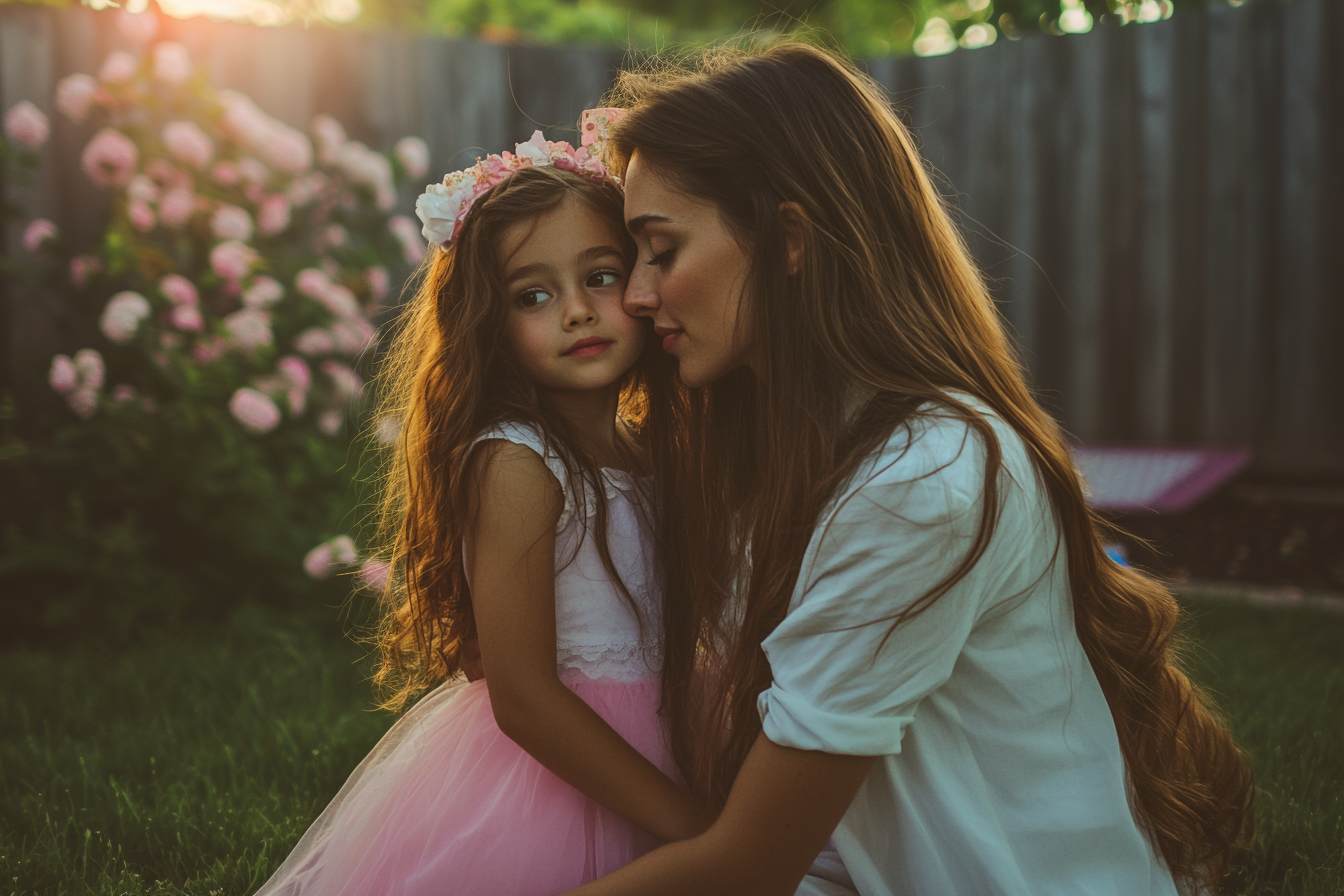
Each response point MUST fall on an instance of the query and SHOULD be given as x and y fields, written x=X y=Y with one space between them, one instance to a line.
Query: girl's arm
x=511 y=555
x=784 y=805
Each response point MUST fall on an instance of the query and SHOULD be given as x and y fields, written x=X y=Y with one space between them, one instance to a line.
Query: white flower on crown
x=438 y=208
x=536 y=151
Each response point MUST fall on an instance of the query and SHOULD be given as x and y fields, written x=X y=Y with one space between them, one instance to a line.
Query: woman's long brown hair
x=449 y=376
x=888 y=300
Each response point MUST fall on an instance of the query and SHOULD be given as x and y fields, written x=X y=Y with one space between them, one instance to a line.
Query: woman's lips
x=584 y=348
x=670 y=336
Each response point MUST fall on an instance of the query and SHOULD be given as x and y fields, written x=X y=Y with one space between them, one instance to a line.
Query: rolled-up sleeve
x=844 y=680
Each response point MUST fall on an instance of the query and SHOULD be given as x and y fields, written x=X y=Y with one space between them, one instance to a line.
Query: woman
x=923 y=653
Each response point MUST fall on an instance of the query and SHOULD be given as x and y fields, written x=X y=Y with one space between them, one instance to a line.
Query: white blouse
x=999 y=769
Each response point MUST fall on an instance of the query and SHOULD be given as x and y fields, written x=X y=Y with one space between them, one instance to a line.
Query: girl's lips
x=588 y=347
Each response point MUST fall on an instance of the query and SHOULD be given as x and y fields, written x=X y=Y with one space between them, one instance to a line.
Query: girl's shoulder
x=529 y=436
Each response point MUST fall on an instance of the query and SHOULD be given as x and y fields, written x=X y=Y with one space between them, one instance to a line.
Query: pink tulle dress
x=447 y=805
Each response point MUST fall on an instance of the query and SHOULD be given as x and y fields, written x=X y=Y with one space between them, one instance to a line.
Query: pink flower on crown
x=110 y=158
x=26 y=125
x=76 y=94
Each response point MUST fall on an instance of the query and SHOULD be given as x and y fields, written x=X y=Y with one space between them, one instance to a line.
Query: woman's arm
x=511 y=555
x=783 y=807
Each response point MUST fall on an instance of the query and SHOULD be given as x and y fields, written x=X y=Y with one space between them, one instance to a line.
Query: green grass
x=190 y=762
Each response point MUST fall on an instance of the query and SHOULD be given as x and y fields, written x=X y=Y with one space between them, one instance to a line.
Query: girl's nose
x=641 y=296
x=578 y=310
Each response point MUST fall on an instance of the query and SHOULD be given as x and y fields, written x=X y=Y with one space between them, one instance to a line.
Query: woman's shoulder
x=936 y=458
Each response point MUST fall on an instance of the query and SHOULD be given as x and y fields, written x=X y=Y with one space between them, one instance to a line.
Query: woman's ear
x=796 y=224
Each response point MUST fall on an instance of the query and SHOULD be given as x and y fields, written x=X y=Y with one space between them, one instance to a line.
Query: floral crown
x=443 y=206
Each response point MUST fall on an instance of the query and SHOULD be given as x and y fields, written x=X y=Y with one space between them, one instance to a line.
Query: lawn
x=190 y=762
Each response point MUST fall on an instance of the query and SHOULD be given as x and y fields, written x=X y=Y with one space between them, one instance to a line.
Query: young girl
x=521 y=524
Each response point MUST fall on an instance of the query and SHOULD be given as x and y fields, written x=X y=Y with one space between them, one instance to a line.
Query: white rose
x=437 y=208
x=537 y=150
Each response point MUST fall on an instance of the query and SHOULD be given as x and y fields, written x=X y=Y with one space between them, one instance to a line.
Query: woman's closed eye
x=661 y=258
x=532 y=298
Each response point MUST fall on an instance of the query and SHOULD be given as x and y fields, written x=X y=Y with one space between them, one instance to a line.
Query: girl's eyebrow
x=595 y=252
x=592 y=253
x=528 y=270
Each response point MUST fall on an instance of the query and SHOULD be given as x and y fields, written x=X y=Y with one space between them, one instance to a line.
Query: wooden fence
x=1160 y=206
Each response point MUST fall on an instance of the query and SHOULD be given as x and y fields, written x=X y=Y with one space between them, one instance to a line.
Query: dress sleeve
x=844 y=680
x=528 y=437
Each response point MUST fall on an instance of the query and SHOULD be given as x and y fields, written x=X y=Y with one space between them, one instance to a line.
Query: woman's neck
x=592 y=414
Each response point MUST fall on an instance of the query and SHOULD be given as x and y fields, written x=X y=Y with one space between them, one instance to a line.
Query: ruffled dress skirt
x=447 y=805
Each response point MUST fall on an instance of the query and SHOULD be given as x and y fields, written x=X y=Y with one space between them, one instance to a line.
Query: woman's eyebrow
x=637 y=223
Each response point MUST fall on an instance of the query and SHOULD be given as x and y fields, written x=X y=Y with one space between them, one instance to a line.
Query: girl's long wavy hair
x=888 y=299
x=448 y=376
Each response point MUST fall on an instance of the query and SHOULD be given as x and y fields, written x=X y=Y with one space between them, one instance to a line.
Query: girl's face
x=565 y=275
x=690 y=276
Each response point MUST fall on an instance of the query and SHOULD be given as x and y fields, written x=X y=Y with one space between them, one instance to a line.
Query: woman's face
x=690 y=276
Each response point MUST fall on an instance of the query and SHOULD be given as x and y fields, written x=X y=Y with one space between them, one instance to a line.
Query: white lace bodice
x=598 y=633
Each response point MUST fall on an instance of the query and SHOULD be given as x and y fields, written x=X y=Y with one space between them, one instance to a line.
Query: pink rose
x=90 y=367
x=334 y=236
x=314 y=341
x=26 y=125
x=186 y=142
x=172 y=63
x=75 y=95
x=186 y=318
x=233 y=260
x=38 y=231
x=229 y=222
x=176 y=207
x=110 y=158
x=274 y=214
x=373 y=574
x=83 y=402
x=295 y=372
x=343 y=550
x=226 y=174
x=82 y=267
x=312 y=282
x=179 y=290
x=122 y=393
x=254 y=410
x=209 y=350
x=122 y=316
x=329 y=422
x=264 y=292
x=253 y=171
x=140 y=215
x=352 y=335
x=379 y=282
x=408 y=234
x=330 y=138
x=348 y=386
x=138 y=27
x=413 y=154
x=118 y=68
x=340 y=301
x=142 y=189
x=249 y=328
x=317 y=562
x=288 y=151
x=63 y=376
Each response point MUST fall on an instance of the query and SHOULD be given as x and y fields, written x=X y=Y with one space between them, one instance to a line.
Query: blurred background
x=209 y=222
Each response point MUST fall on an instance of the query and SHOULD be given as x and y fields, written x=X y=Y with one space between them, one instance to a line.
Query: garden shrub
x=203 y=432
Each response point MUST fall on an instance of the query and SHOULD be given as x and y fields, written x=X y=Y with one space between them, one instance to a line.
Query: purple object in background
x=1164 y=480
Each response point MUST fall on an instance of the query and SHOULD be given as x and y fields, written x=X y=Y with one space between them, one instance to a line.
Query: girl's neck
x=592 y=414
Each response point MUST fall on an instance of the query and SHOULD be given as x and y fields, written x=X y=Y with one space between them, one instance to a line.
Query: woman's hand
x=783 y=807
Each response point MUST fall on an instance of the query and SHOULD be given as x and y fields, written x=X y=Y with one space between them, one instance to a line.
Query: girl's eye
x=661 y=258
x=532 y=298
x=603 y=278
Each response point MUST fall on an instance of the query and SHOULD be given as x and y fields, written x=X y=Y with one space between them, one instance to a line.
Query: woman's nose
x=641 y=296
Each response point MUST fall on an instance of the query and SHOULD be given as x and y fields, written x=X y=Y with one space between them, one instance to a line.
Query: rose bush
x=197 y=435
